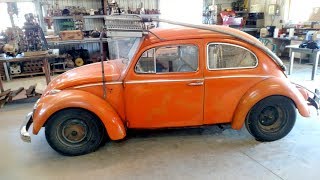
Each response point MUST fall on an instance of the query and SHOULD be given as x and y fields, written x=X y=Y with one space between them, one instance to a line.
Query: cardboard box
x=71 y=35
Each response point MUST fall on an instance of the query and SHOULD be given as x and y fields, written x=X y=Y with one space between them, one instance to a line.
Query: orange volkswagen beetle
x=178 y=77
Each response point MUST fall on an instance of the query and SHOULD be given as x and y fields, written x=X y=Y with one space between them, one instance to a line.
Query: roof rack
x=128 y=25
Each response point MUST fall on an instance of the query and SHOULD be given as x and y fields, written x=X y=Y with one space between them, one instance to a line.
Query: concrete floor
x=198 y=153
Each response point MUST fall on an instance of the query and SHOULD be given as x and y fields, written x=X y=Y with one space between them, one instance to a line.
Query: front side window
x=176 y=58
x=227 y=56
x=123 y=49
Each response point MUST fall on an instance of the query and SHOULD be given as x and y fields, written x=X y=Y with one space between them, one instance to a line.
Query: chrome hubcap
x=74 y=131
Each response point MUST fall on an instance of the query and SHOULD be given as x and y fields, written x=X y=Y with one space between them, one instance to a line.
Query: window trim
x=234 y=68
x=154 y=48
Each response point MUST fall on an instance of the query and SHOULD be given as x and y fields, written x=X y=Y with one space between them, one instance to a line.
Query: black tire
x=271 y=118
x=74 y=132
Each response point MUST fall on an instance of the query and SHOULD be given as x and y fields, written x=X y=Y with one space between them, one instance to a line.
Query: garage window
x=228 y=56
x=177 y=58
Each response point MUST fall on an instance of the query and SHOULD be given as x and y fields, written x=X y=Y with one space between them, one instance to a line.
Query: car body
x=175 y=77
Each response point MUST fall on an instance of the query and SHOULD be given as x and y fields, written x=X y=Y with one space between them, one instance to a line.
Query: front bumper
x=315 y=101
x=24 y=134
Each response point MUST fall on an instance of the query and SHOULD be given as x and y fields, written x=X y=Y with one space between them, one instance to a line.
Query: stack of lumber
x=9 y=96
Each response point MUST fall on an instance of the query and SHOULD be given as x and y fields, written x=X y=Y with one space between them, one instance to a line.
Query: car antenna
x=102 y=65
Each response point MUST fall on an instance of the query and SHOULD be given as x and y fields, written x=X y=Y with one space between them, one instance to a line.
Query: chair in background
x=267 y=42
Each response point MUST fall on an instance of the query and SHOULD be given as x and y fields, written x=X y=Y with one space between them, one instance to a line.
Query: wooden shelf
x=94 y=17
x=241 y=12
x=61 y=70
x=101 y=16
x=85 y=17
x=83 y=41
x=26 y=74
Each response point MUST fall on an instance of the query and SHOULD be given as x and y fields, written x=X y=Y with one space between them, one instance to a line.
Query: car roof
x=180 y=33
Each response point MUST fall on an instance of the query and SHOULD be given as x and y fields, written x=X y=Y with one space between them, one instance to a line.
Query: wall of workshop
x=269 y=20
x=181 y=10
x=277 y=21
x=225 y=4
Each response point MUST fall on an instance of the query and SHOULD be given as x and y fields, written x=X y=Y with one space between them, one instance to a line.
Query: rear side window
x=168 y=59
x=228 y=56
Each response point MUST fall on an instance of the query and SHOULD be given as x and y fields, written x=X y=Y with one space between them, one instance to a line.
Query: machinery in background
x=255 y=20
x=26 y=67
x=15 y=69
x=80 y=57
x=32 y=66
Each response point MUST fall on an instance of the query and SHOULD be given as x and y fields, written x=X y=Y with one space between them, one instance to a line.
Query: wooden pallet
x=31 y=91
x=4 y=96
x=27 y=74
x=9 y=96
x=15 y=93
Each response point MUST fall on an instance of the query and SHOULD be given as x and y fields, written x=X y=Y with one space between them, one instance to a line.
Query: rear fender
x=268 y=87
x=50 y=104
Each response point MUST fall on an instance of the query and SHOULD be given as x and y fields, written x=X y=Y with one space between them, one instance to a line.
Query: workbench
x=314 y=57
x=20 y=58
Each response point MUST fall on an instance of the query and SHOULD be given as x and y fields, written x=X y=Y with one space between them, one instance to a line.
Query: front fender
x=268 y=87
x=50 y=104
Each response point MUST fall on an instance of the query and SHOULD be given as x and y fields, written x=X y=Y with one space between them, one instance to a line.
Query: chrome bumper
x=24 y=135
x=315 y=101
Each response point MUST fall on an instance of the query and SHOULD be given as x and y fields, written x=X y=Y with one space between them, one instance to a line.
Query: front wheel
x=74 y=132
x=271 y=118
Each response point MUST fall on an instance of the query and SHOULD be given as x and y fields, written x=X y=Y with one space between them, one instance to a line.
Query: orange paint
x=169 y=99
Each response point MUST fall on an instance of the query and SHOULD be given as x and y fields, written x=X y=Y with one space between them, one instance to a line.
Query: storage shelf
x=83 y=41
x=100 y=16
x=62 y=17
x=94 y=17
x=60 y=70
x=26 y=74
x=85 y=17
x=243 y=12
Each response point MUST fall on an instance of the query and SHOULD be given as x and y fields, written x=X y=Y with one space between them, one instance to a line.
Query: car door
x=165 y=88
x=231 y=70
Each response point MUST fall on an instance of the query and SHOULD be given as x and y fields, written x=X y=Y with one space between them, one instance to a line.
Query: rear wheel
x=74 y=132
x=271 y=118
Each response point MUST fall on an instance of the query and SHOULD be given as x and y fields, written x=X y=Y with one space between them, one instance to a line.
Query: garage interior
x=67 y=34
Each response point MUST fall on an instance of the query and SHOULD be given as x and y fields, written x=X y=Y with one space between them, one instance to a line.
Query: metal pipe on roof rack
x=213 y=28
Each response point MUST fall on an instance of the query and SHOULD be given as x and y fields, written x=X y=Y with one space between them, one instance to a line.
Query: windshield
x=123 y=49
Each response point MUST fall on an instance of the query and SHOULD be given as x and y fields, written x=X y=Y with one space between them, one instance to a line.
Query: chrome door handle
x=198 y=83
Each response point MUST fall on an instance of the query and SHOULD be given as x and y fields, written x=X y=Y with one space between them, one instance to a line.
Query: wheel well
x=269 y=97
x=105 y=131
